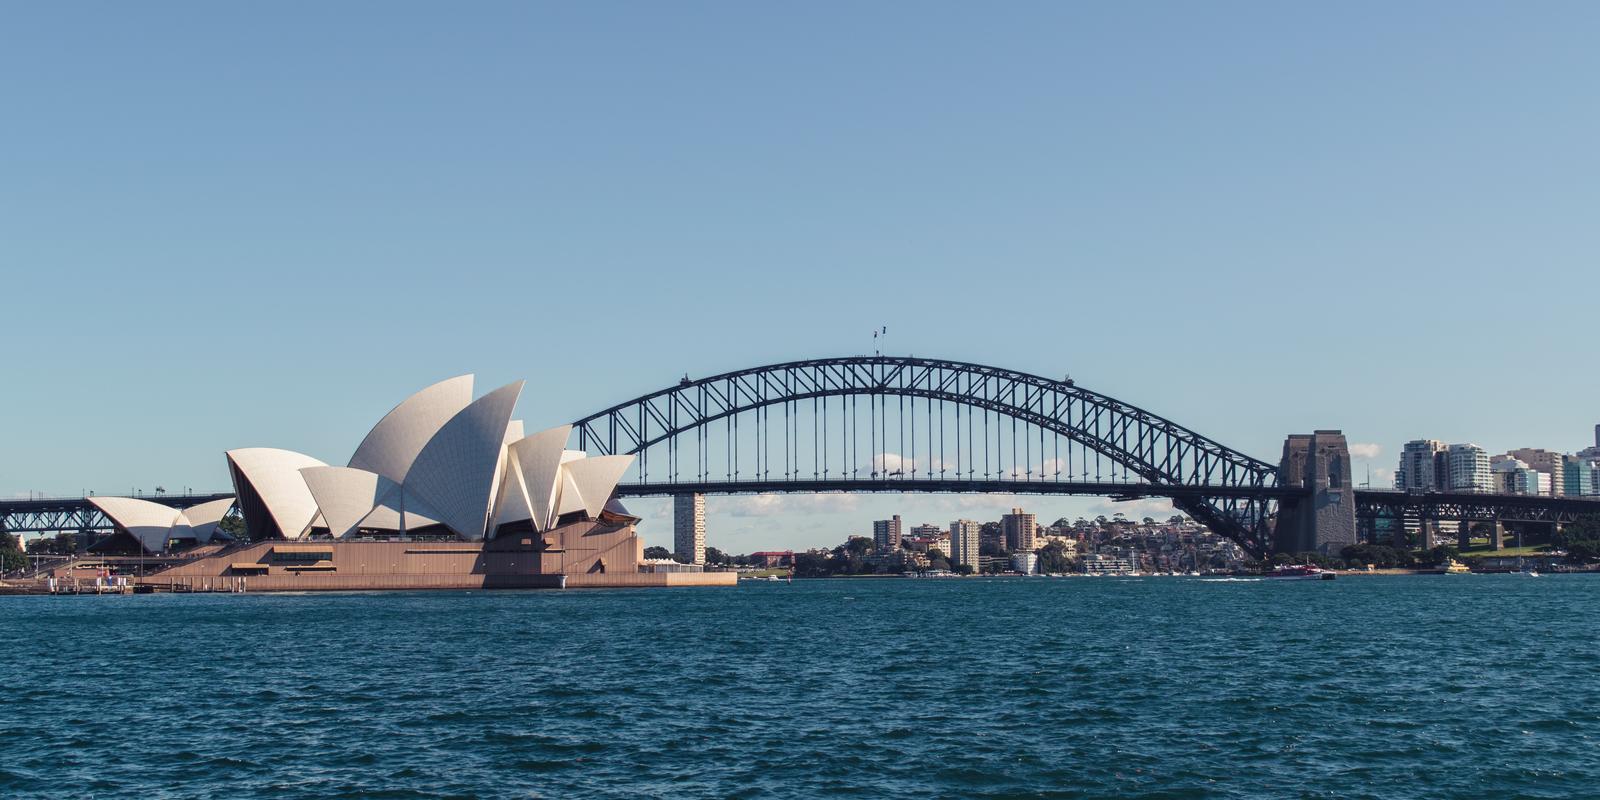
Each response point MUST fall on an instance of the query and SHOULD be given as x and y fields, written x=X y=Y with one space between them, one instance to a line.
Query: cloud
x=773 y=505
x=1365 y=450
x=1155 y=507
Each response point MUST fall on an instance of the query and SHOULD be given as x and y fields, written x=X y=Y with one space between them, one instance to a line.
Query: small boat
x=1300 y=572
x=1454 y=567
x=1531 y=572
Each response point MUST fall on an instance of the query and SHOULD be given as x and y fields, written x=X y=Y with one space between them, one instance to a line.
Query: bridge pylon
x=1323 y=521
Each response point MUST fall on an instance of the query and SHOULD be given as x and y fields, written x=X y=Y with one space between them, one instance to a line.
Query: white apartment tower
x=964 y=535
x=1469 y=468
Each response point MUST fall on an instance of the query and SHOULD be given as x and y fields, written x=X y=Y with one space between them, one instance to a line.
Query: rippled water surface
x=1469 y=686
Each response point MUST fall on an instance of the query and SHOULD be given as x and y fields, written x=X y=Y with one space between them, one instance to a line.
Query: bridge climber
x=906 y=424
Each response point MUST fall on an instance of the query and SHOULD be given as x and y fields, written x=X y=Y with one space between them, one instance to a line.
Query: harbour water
x=1382 y=687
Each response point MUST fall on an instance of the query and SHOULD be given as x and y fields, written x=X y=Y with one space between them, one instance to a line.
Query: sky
x=229 y=224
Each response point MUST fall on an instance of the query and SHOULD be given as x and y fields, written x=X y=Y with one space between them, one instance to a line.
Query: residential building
x=1019 y=529
x=1025 y=562
x=1514 y=476
x=1424 y=466
x=1546 y=462
x=886 y=535
x=1469 y=469
x=1107 y=564
x=927 y=530
x=964 y=543
x=689 y=527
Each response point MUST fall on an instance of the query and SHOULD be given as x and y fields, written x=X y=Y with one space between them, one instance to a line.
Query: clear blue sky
x=226 y=225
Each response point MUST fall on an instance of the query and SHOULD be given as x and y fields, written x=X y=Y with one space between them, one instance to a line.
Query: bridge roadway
x=65 y=514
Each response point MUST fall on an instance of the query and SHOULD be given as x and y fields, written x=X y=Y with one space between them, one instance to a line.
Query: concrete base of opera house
x=578 y=555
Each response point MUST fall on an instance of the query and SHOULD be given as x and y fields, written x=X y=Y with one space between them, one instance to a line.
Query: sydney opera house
x=444 y=492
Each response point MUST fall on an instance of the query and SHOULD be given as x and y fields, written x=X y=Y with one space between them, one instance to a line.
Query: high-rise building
x=964 y=543
x=689 y=527
x=1469 y=469
x=1546 y=462
x=926 y=530
x=1424 y=466
x=886 y=535
x=1019 y=529
x=1514 y=476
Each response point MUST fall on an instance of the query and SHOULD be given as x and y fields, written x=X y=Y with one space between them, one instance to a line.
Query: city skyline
x=1204 y=224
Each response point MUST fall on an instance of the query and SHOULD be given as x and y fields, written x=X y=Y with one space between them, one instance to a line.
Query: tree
x=962 y=569
x=11 y=555
x=1583 y=551
x=811 y=565
x=993 y=548
x=1584 y=527
x=1149 y=520
x=657 y=552
x=715 y=556
x=1054 y=557
x=233 y=525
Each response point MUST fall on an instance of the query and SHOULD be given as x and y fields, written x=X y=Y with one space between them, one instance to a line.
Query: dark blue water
x=1472 y=686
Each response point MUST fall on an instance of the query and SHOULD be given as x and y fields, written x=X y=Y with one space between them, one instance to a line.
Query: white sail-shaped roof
x=204 y=519
x=149 y=523
x=571 y=499
x=346 y=495
x=395 y=442
x=511 y=501
x=274 y=476
x=387 y=516
x=454 y=473
x=596 y=478
x=539 y=457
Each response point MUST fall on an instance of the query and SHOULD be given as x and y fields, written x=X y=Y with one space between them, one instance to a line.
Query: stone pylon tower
x=1325 y=521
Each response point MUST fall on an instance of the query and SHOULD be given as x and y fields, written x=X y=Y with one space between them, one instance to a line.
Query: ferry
x=1300 y=572
x=1454 y=567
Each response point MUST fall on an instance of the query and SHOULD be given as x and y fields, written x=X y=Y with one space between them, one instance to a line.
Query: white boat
x=1299 y=572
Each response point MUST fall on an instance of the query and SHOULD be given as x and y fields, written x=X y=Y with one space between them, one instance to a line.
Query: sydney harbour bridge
x=907 y=424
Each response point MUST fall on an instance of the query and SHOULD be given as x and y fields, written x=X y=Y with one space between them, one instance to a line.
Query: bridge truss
x=907 y=424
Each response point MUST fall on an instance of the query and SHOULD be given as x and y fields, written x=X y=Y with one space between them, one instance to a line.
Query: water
x=1472 y=686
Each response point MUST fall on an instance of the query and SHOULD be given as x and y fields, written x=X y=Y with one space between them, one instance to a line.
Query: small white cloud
x=1155 y=507
x=1366 y=450
x=772 y=505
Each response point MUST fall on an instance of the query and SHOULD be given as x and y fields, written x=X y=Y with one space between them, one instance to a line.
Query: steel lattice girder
x=1158 y=450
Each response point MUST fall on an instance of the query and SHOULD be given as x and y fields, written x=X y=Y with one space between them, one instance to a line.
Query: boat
x=1300 y=572
x=1454 y=567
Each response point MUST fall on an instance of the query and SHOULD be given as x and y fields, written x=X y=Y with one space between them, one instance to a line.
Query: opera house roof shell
x=439 y=463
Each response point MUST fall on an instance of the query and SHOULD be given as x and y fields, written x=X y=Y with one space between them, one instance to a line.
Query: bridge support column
x=1428 y=533
x=1497 y=535
x=1463 y=535
x=689 y=527
x=1324 y=521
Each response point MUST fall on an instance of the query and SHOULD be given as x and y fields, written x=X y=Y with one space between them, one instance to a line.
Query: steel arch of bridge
x=1229 y=491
